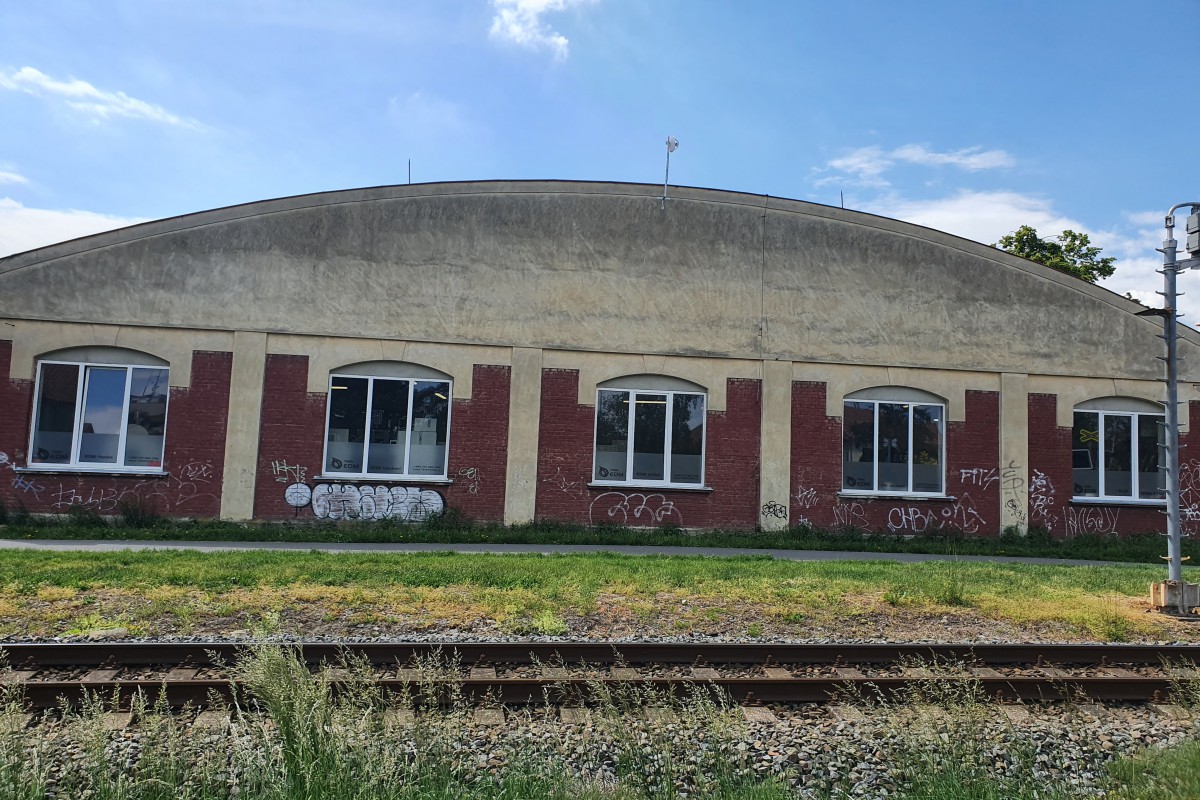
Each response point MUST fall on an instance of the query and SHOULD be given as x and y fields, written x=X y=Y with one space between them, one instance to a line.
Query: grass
x=136 y=523
x=293 y=738
x=53 y=593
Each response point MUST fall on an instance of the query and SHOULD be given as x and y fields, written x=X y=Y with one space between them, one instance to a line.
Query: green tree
x=1070 y=252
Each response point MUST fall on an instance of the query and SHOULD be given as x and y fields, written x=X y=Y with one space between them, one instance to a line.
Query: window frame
x=668 y=434
x=874 y=491
x=82 y=379
x=1134 y=497
x=406 y=476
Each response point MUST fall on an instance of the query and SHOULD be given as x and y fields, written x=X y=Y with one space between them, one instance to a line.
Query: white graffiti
x=560 y=482
x=285 y=472
x=1189 y=494
x=631 y=509
x=346 y=501
x=472 y=475
x=850 y=515
x=982 y=477
x=802 y=522
x=170 y=493
x=1041 y=500
x=961 y=516
x=1091 y=520
x=806 y=493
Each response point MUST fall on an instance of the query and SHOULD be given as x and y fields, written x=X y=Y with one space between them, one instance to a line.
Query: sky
x=966 y=116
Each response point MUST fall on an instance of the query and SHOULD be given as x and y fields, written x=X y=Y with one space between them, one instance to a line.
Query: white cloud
x=12 y=177
x=520 y=22
x=987 y=216
x=867 y=164
x=84 y=97
x=23 y=228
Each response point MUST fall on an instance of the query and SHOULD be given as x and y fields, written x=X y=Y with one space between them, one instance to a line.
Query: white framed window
x=107 y=417
x=1115 y=447
x=894 y=442
x=649 y=436
x=394 y=426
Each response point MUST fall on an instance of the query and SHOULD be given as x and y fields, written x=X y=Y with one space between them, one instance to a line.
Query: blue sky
x=969 y=117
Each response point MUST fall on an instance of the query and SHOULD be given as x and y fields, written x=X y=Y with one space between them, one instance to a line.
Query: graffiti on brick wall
x=1095 y=520
x=568 y=487
x=806 y=489
x=776 y=510
x=288 y=473
x=960 y=516
x=471 y=477
x=850 y=515
x=1189 y=496
x=983 y=477
x=633 y=509
x=1041 y=500
x=337 y=501
x=176 y=492
x=20 y=483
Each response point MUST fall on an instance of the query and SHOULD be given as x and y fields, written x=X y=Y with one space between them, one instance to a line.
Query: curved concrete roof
x=593 y=266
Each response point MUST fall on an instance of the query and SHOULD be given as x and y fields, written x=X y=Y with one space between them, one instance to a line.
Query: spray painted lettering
x=1091 y=520
x=773 y=509
x=346 y=501
x=961 y=516
x=288 y=473
x=1041 y=500
x=850 y=515
x=632 y=509
x=472 y=476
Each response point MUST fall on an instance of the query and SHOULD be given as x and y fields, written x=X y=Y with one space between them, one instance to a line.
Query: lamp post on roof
x=1174 y=588
x=672 y=145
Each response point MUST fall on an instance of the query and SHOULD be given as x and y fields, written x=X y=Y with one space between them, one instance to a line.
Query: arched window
x=99 y=409
x=1115 y=445
x=650 y=432
x=893 y=442
x=388 y=420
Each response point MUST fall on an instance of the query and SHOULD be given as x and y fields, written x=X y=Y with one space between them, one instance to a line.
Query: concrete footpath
x=114 y=545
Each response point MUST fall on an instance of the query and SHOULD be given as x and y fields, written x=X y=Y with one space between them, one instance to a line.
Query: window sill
x=383 y=479
x=898 y=496
x=1117 y=501
x=655 y=487
x=58 y=469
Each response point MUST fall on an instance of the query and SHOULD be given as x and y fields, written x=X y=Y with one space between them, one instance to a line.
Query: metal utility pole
x=1170 y=272
x=672 y=143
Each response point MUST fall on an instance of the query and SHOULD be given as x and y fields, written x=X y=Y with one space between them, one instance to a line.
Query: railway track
x=572 y=673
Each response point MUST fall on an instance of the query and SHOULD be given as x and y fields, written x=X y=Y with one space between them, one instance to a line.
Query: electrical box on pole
x=1193 y=234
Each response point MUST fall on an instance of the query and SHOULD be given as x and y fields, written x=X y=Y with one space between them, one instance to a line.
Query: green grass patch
x=46 y=593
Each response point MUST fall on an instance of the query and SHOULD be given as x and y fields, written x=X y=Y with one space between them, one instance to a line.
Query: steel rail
x=581 y=691
x=32 y=655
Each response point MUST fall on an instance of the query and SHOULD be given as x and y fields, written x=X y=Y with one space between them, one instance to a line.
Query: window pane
x=389 y=427
x=893 y=447
x=58 y=387
x=649 y=437
x=103 y=402
x=147 y=419
x=858 y=452
x=1150 y=437
x=612 y=435
x=687 y=438
x=1085 y=454
x=1118 y=455
x=347 y=424
x=927 y=448
x=431 y=415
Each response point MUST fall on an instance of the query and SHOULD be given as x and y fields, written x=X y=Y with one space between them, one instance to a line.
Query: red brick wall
x=193 y=458
x=1051 y=483
x=973 y=473
x=292 y=434
x=565 y=464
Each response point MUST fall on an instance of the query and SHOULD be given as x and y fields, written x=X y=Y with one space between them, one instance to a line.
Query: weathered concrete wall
x=593 y=266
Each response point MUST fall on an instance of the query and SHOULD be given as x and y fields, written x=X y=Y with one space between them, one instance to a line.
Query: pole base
x=1174 y=596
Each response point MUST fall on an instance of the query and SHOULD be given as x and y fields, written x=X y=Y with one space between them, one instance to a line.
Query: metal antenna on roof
x=672 y=144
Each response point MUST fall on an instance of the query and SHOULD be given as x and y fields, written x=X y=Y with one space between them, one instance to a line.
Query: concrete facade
x=529 y=296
